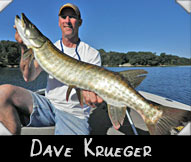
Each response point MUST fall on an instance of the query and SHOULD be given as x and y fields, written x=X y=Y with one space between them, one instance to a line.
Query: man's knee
x=16 y=97
x=8 y=113
x=6 y=93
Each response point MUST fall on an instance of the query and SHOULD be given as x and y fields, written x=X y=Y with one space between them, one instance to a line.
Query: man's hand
x=91 y=98
x=17 y=36
x=19 y=40
x=29 y=73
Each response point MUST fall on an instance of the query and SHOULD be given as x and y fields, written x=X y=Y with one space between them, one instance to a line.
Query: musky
x=113 y=25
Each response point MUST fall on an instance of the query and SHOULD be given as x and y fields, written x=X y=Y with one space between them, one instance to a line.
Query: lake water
x=170 y=82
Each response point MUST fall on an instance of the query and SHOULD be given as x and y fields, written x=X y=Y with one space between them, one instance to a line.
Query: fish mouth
x=21 y=26
x=24 y=21
x=17 y=17
x=30 y=35
x=17 y=20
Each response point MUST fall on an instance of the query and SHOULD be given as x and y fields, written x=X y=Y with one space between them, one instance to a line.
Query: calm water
x=169 y=82
x=14 y=76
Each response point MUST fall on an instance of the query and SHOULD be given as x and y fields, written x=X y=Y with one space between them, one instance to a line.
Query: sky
x=113 y=25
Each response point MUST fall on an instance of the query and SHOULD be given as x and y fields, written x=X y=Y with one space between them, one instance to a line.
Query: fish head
x=28 y=32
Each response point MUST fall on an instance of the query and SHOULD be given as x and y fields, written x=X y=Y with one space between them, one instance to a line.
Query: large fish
x=113 y=88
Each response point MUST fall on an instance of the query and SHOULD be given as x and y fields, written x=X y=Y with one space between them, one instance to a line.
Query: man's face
x=69 y=23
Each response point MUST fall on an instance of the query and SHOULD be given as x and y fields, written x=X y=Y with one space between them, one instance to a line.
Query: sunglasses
x=70 y=16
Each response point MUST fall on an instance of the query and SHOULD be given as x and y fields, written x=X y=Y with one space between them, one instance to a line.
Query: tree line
x=141 y=58
x=10 y=56
x=9 y=53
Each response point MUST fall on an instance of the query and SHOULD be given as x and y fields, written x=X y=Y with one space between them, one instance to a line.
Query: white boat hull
x=108 y=129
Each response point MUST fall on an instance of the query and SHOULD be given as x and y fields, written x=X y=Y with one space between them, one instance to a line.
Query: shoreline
x=9 y=66
x=17 y=66
x=147 y=66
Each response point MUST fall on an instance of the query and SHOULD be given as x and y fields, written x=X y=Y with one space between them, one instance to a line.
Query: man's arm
x=29 y=70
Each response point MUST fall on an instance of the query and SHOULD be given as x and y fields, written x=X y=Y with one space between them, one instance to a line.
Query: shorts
x=46 y=114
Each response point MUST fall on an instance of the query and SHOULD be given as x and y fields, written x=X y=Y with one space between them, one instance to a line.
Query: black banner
x=119 y=148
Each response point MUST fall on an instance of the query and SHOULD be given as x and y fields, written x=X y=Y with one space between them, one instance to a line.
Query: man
x=18 y=104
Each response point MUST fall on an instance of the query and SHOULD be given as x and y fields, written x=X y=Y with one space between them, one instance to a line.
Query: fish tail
x=171 y=118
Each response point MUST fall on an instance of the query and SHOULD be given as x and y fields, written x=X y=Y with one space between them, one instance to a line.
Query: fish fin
x=117 y=115
x=70 y=87
x=28 y=53
x=80 y=96
x=134 y=77
x=171 y=118
x=78 y=92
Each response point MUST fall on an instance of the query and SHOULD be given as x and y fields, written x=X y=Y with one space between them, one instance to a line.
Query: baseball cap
x=70 y=5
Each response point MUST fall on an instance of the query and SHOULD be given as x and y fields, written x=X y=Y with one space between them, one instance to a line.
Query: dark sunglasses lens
x=62 y=16
x=70 y=16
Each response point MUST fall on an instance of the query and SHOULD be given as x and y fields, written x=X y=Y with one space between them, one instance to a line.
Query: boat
x=133 y=125
x=4 y=4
